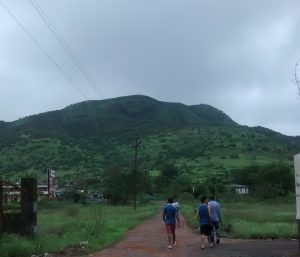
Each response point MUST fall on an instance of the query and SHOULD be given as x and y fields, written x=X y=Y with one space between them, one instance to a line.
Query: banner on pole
x=51 y=184
x=297 y=183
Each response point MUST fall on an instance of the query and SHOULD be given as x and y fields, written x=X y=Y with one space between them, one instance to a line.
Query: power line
x=63 y=43
x=43 y=50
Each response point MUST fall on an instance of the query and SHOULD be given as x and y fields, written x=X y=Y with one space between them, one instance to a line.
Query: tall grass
x=252 y=218
x=68 y=224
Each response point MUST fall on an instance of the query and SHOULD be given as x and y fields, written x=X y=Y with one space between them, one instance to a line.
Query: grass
x=251 y=218
x=64 y=224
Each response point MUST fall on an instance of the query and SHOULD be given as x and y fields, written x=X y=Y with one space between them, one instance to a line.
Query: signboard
x=51 y=184
x=297 y=184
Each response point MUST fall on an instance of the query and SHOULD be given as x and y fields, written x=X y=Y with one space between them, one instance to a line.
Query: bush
x=267 y=181
x=185 y=196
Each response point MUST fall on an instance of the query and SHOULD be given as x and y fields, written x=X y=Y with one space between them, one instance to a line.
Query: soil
x=150 y=239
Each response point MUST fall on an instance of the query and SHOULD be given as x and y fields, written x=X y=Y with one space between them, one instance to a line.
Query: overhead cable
x=43 y=50
x=63 y=43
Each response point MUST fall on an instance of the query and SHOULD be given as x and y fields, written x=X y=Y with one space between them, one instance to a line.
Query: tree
x=161 y=184
x=169 y=170
x=270 y=180
x=116 y=184
x=178 y=185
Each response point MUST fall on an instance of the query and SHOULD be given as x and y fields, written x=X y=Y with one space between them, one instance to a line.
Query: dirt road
x=149 y=240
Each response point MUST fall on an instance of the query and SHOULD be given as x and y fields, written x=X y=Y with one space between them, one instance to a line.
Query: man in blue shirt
x=170 y=215
x=204 y=221
x=215 y=216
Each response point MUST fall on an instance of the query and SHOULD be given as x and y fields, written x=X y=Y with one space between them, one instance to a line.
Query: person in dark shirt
x=204 y=222
x=170 y=216
x=215 y=217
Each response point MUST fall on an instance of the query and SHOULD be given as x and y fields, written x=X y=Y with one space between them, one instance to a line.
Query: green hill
x=135 y=114
x=84 y=139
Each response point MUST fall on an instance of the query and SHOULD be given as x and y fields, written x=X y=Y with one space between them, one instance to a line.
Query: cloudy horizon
x=236 y=56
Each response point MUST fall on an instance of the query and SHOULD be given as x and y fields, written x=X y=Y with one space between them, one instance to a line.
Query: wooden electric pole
x=137 y=143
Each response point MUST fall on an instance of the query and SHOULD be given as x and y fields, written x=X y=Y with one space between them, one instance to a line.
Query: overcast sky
x=238 y=56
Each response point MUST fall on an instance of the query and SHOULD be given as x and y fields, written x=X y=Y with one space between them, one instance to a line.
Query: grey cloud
x=236 y=55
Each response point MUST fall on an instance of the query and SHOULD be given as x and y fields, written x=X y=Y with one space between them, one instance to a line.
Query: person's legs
x=205 y=235
x=208 y=233
x=174 y=238
x=170 y=240
x=169 y=233
x=212 y=238
x=202 y=236
x=217 y=228
x=173 y=228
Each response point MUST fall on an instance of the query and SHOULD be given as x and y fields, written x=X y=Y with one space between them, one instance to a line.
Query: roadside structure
x=239 y=189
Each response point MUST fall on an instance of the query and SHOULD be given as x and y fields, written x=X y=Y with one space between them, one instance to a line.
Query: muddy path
x=149 y=240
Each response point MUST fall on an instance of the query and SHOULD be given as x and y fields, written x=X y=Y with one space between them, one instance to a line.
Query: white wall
x=297 y=183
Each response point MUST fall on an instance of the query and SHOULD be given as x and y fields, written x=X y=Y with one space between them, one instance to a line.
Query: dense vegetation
x=91 y=227
x=252 y=218
x=62 y=225
x=185 y=151
x=201 y=144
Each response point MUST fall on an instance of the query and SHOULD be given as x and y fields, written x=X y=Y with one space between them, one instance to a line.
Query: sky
x=236 y=55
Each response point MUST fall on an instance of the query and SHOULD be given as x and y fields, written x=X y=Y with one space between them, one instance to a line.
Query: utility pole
x=137 y=143
x=1 y=208
x=297 y=187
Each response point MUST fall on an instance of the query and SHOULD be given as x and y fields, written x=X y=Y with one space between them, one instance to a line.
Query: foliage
x=58 y=228
x=169 y=170
x=199 y=142
x=116 y=185
x=252 y=218
x=119 y=184
x=271 y=180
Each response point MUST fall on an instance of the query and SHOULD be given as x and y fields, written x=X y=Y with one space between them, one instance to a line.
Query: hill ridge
x=92 y=135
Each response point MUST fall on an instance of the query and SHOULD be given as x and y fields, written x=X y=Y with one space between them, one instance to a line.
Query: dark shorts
x=205 y=229
x=170 y=228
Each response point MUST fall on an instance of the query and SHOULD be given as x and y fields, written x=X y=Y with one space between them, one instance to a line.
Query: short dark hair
x=203 y=198
x=170 y=200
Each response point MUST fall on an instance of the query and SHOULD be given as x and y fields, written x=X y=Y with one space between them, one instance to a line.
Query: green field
x=61 y=225
x=250 y=218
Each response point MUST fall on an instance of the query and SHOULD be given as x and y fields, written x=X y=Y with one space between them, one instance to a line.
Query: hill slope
x=135 y=114
x=90 y=136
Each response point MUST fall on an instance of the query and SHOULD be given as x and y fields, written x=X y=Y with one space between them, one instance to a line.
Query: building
x=239 y=189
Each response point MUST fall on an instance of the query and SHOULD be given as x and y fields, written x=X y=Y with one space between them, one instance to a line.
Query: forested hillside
x=90 y=137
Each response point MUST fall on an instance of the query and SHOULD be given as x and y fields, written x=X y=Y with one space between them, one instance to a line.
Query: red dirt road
x=150 y=239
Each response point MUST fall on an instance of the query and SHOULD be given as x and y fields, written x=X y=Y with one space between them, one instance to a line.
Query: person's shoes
x=170 y=246
x=202 y=247
x=211 y=245
x=174 y=244
x=218 y=241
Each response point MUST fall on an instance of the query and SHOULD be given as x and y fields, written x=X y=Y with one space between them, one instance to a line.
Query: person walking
x=215 y=217
x=204 y=222
x=170 y=216
x=177 y=205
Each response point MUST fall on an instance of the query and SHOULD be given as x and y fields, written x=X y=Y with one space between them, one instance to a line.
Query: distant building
x=42 y=190
x=10 y=193
x=239 y=189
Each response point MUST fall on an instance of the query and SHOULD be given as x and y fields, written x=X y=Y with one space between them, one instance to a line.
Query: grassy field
x=64 y=224
x=61 y=224
x=251 y=218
